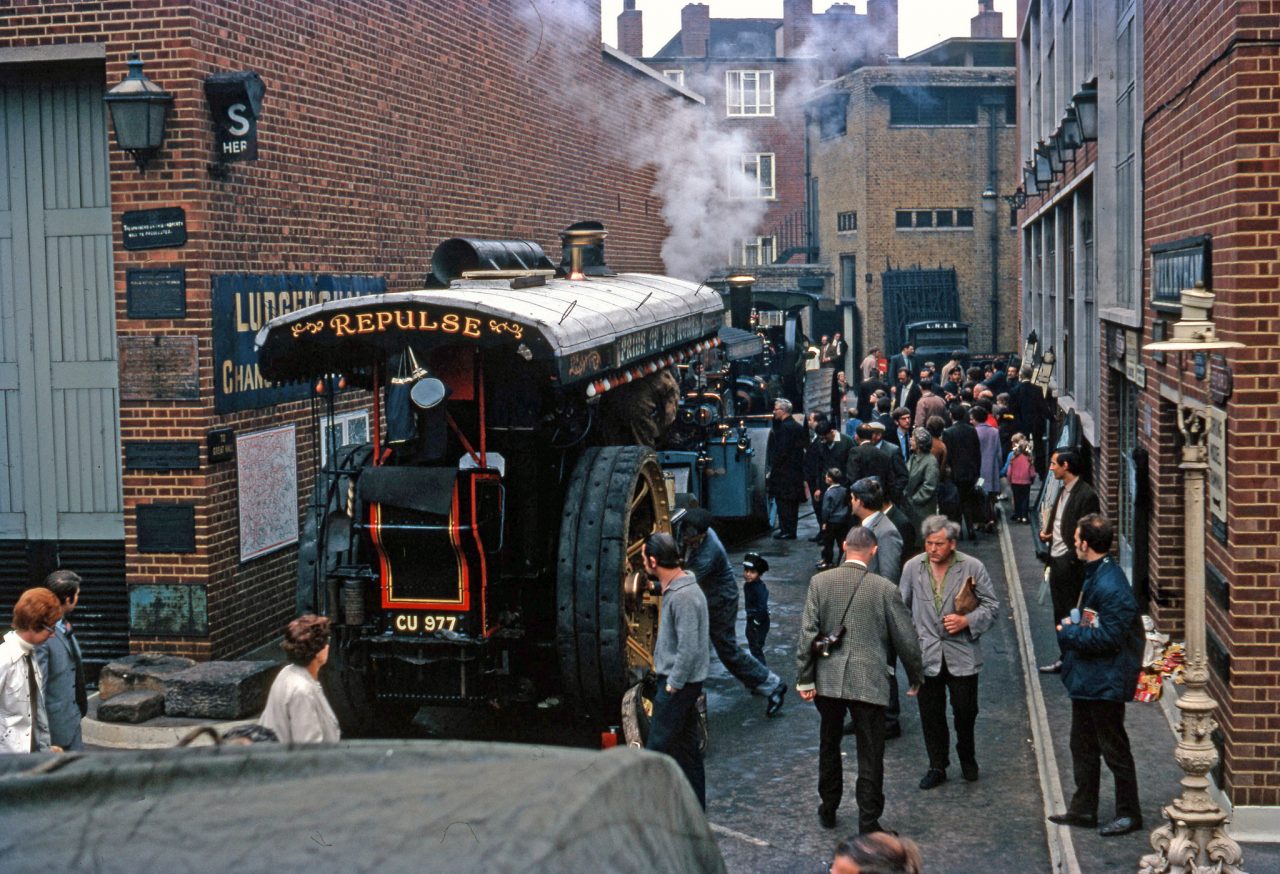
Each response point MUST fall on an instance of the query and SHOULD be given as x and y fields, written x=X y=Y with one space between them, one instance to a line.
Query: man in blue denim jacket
x=1101 y=644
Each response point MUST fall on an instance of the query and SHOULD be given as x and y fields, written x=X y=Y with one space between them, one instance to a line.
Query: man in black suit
x=906 y=391
x=868 y=459
x=784 y=467
x=904 y=360
x=964 y=455
x=1076 y=500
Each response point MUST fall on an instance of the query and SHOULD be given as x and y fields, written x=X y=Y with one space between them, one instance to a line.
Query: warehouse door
x=60 y=490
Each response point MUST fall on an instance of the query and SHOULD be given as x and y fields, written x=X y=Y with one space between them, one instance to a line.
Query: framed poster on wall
x=267 y=471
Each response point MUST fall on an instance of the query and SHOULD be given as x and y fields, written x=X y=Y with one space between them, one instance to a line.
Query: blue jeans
x=673 y=729
x=722 y=612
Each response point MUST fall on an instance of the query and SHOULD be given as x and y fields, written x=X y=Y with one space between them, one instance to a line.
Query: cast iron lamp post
x=1195 y=837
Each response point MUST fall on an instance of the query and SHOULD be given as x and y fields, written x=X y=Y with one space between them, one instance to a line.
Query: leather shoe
x=775 y=700
x=1052 y=667
x=932 y=778
x=826 y=817
x=1079 y=820
x=969 y=770
x=1121 y=826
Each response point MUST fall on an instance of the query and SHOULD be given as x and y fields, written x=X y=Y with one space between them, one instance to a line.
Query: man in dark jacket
x=1101 y=649
x=784 y=467
x=1066 y=572
x=868 y=459
x=964 y=453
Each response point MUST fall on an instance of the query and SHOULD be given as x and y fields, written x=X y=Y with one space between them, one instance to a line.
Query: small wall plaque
x=1220 y=383
x=159 y=455
x=222 y=445
x=163 y=228
x=167 y=528
x=169 y=609
x=159 y=368
x=156 y=294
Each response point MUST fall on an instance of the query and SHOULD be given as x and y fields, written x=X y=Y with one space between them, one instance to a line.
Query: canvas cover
x=357 y=806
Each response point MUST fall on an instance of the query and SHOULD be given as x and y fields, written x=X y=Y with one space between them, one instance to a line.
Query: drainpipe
x=992 y=184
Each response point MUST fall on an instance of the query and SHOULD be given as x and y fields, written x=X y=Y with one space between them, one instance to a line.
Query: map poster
x=267 y=469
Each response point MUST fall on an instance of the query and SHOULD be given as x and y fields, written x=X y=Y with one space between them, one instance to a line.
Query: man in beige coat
x=854 y=677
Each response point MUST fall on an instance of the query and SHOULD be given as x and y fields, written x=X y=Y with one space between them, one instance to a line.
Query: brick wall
x=386 y=128
x=876 y=169
x=1212 y=168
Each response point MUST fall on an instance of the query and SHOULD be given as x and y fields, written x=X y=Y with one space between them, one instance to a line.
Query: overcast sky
x=921 y=23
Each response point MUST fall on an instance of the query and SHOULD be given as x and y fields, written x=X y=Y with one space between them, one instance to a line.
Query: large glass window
x=1084 y=278
x=757 y=251
x=749 y=92
x=1125 y=164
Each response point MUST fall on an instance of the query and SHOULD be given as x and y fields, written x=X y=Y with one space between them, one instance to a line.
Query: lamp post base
x=1192 y=844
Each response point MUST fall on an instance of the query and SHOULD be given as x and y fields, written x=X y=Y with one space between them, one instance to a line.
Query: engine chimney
x=630 y=30
x=740 y=300
x=583 y=250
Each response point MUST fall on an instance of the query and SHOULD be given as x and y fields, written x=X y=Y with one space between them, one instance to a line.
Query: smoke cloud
x=696 y=161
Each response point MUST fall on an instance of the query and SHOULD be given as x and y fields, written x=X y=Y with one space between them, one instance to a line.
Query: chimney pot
x=630 y=30
x=695 y=30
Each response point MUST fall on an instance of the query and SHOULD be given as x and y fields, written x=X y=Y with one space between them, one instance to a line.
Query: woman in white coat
x=297 y=710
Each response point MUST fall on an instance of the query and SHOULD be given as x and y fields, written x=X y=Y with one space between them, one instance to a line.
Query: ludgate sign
x=243 y=303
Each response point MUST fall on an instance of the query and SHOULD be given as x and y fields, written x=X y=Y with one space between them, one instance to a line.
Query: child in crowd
x=836 y=512
x=1020 y=471
x=755 y=594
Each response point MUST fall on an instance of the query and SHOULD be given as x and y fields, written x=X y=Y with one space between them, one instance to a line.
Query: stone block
x=219 y=690
x=133 y=707
x=145 y=670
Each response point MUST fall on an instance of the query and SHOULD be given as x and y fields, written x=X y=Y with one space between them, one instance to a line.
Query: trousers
x=673 y=729
x=1066 y=578
x=788 y=516
x=933 y=716
x=757 y=631
x=1097 y=730
x=868 y=731
x=722 y=619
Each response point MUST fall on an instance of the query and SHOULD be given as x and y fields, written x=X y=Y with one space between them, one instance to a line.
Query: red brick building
x=756 y=74
x=1179 y=188
x=385 y=128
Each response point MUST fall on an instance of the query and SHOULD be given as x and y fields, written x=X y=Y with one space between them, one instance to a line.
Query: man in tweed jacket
x=854 y=678
x=949 y=643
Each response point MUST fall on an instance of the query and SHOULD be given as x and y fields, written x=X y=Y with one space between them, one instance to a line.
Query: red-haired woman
x=24 y=725
x=297 y=710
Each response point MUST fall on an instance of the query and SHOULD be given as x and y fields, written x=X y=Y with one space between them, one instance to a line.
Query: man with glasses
x=24 y=724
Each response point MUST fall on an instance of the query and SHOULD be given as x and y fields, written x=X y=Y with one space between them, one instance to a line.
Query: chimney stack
x=987 y=24
x=630 y=30
x=695 y=30
x=797 y=24
x=882 y=16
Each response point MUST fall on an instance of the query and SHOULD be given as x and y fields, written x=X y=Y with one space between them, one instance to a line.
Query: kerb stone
x=219 y=690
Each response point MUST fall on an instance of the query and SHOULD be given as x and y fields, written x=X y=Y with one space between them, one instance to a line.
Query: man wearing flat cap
x=706 y=559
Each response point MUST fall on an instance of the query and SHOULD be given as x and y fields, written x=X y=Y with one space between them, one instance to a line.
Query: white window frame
x=736 y=86
x=760 y=167
x=757 y=251
x=342 y=423
x=676 y=76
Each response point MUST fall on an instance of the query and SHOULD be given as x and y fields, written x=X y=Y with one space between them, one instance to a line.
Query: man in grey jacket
x=681 y=659
x=949 y=642
x=853 y=677
x=62 y=665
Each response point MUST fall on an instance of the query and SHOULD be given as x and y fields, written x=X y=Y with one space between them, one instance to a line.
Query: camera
x=824 y=643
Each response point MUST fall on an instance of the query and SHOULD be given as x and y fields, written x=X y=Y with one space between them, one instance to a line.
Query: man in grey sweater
x=681 y=659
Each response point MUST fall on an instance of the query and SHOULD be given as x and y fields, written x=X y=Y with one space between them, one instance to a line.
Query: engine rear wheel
x=607 y=624
x=347 y=690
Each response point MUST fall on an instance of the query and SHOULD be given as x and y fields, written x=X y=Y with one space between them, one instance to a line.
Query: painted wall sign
x=235 y=101
x=166 y=528
x=1220 y=382
x=163 y=228
x=221 y=443
x=243 y=303
x=162 y=455
x=158 y=368
x=168 y=609
x=156 y=294
x=1216 y=443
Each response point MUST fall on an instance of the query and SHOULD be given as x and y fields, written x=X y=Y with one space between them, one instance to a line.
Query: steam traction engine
x=484 y=545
